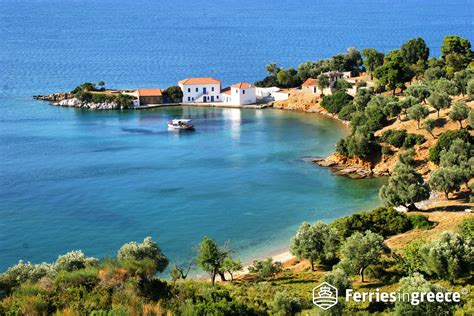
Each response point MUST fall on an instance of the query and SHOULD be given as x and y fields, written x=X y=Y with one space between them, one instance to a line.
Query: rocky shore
x=352 y=168
x=67 y=100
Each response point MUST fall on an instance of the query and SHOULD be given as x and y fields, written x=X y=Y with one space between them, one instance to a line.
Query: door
x=212 y=98
x=204 y=90
x=204 y=99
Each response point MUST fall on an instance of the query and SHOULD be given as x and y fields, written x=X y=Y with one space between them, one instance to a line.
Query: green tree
x=467 y=228
x=362 y=98
x=429 y=125
x=173 y=94
x=450 y=257
x=231 y=266
x=456 y=52
x=342 y=85
x=147 y=250
x=313 y=242
x=419 y=91
x=272 y=69
x=434 y=73
x=415 y=50
x=459 y=112
x=372 y=60
x=417 y=113
x=461 y=78
x=445 y=141
x=125 y=101
x=323 y=83
x=361 y=250
x=412 y=257
x=439 y=101
x=394 y=71
x=417 y=284
x=444 y=85
x=211 y=258
x=405 y=187
x=265 y=268
x=445 y=180
x=335 y=102
x=470 y=89
x=470 y=119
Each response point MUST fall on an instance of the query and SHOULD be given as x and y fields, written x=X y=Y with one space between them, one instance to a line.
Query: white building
x=209 y=90
x=239 y=94
x=200 y=90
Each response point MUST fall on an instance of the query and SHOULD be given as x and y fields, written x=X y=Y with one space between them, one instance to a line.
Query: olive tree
x=417 y=113
x=313 y=242
x=459 y=112
x=323 y=82
x=361 y=250
x=417 y=284
x=429 y=125
x=74 y=260
x=446 y=180
x=405 y=187
x=439 y=100
x=231 y=266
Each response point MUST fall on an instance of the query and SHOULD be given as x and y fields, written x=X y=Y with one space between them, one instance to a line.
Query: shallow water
x=74 y=179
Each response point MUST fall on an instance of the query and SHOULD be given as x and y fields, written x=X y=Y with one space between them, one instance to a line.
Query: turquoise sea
x=72 y=179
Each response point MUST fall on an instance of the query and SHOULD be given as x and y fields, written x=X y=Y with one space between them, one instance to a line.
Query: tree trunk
x=213 y=278
x=437 y=110
x=393 y=91
x=446 y=195
x=221 y=274
x=231 y=276
x=418 y=124
x=460 y=124
x=361 y=273
x=312 y=264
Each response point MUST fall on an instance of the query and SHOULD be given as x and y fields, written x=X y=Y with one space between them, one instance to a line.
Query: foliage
x=342 y=85
x=74 y=260
x=449 y=258
x=265 y=268
x=339 y=279
x=361 y=250
x=417 y=284
x=417 y=113
x=347 y=111
x=358 y=145
x=413 y=139
x=335 y=102
x=429 y=125
x=383 y=221
x=315 y=242
x=405 y=187
x=470 y=89
x=419 y=91
x=362 y=98
x=412 y=257
x=284 y=304
x=211 y=258
x=24 y=272
x=467 y=228
x=446 y=179
x=420 y=222
x=323 y=82
x=459 y=112
x=394 y=137
x=148 y=249
x=288 y=78
x=456 y=52
x=372 y=59
x=231 y=266
x=394 y=71
x=444 y=142
x=461 y=79
x=173 y=94
x=415 y=50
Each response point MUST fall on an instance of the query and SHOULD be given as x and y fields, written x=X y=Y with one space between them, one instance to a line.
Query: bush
x=420 y=222
x=412 y=140
x=445 y=141
x=358 y=145
x=339 y=279
x=265 y=268
x=383 y=221
x=147 y=250
x=74 y=260
x=387 y=151
x=346 y=112
x=467 y=228
x=285 y=304
x=335 y=102
x=394 y=137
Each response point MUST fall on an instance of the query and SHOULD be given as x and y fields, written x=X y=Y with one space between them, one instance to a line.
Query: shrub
x=339 y=279
x=394 y=137
x=412 y=140
x=149 y=249
x=467 y=228
x=383 y=221
x=346 y=112
x=284 y=304
x=445 y=141
x=74 y=260
x=335 y=102
x=420 y=222
x=265 y=268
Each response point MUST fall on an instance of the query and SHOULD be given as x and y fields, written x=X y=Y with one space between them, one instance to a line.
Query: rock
x=342 y=169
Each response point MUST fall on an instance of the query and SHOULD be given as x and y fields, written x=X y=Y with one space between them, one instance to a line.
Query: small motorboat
x=180 y=124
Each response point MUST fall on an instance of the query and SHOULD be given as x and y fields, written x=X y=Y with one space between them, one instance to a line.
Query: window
x=193 y=98
x=189 y=89
x=243 y=91
x=189 y=99
x=212 y=89
x=217 y=97
x=197 y=89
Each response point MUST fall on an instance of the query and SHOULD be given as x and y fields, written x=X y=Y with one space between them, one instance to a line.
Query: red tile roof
x=150 y=92
x=207 y=80
x=226 y=91
x=310 y=82
x=242 y=85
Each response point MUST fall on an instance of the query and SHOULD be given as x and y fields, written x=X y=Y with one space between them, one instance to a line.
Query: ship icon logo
x=325 y=296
